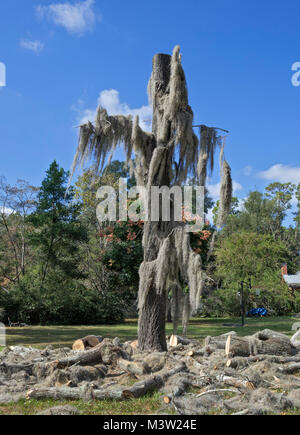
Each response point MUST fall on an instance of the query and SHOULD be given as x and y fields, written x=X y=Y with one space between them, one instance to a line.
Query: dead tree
x=168 y=156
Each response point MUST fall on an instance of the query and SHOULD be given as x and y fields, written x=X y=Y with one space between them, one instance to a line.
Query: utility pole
x=242 y=303
x=243 y=298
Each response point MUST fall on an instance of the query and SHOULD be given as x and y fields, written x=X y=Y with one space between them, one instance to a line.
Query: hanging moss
x=169 y=155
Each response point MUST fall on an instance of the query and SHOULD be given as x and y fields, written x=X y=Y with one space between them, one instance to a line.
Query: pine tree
x=57 y=228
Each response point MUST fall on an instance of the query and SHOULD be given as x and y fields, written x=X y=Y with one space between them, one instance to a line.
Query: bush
x=269 y=293
x=222 y=303
x=61 y=302
x=2 y=314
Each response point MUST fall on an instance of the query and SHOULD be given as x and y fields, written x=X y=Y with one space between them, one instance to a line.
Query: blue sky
x=64 y=57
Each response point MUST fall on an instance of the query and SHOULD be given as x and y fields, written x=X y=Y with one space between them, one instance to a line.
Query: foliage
x=122 y=253
x=113 y=254
x=57 y=228
x=271 y=294
x=247 y=254
x=63 y=302
x=16 y=203
x=55 y=288
x=59 y=266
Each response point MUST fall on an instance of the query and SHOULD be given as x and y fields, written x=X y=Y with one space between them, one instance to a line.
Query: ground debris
x=227 y=374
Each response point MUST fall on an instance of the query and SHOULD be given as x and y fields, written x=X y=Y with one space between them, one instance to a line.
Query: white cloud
x=110 y=100
x=77 y=18
x=247 y=171
x=281 y=173
x=36 y=46
x=214 y=189
x=5 y=210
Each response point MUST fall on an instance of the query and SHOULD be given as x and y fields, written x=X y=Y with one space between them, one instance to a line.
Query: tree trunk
x=169 y=311
x=176 y=301
x=186 y=314
x=152 y=321
x=152 y=316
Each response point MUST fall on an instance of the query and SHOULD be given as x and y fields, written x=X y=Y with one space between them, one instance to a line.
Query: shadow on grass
x=40 y=336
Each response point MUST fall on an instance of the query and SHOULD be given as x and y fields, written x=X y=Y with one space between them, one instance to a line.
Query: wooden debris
x=87 y=342
x=134 y=344
x=235 y=382
x=227 y=346
x=175 y=340
x=138 y=368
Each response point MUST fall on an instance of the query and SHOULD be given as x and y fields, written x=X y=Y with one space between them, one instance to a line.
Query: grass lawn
x=41 y=336
x=144 y=405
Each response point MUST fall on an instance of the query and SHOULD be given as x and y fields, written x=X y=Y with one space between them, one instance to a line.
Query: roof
x=292 y=280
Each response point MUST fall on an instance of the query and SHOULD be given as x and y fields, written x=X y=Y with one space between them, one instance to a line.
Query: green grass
x=41 y=336
x=145 y=405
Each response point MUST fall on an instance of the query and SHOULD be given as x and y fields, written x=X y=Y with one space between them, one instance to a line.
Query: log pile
x=227 y=374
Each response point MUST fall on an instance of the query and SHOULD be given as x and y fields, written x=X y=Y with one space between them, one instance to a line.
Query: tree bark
x=152 y=316
x=138 y=368
x=175 y=311
x=186 y=314
x=152 y=323
x=104 y=352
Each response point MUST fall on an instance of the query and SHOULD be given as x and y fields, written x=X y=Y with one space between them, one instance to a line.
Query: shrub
x=269 y=293
x=61 y=302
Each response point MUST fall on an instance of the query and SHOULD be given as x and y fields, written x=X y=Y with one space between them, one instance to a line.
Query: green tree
x=280 y=196
x=58 y=230
x=244 y=254
x=297 y=214
x=16 y=203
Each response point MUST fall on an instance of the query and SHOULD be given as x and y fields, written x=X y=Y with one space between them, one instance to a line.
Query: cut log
x=220 y=341
x=156 y=361
x=11 y=369
x=168 y=373
x=263 y=343
x=110 y=353
x=153 y=382
x=134 y=344
x=110 y=392
x=193 y=365
x=294 y=340
x=240 y=362
x=175 y=340
x=78 y=393
x=138 y=368
x=167 y=400
x=177 y=386
x=141 y=388
x=235 y=382
x=89 y=341
x=78 y=345
x=63 y=393
x=104 y=352
x=266 y=334
x=290 y=368
x=227 y=345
